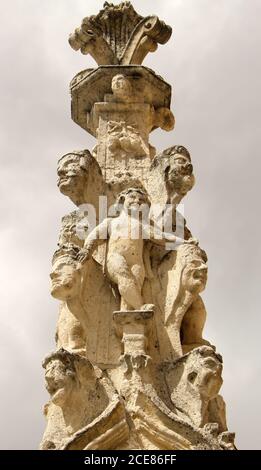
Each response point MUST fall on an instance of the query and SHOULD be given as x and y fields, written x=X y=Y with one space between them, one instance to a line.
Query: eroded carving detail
x=79 y=394
x=80 y=178
x=194 y=380
x=118 y=35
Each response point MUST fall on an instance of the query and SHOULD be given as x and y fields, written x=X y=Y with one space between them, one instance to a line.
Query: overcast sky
x=212 y=62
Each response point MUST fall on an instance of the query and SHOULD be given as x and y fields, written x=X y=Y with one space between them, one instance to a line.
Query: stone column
x=131 y=369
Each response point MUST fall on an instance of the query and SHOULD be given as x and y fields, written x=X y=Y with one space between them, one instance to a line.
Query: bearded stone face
x=204 y=372
x=194 y=276
x=135 y=200
x=179 y=174
x=60 y=381
x=72 y=177
x=65 y=279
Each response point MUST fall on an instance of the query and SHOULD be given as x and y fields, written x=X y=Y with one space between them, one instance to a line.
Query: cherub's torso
x=126 y=238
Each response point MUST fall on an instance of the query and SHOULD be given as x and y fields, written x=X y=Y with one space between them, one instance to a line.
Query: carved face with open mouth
x=204 y=371
x=59 y=381
x=65 y=279
x=195 y=276
x=72 y=176
x=134 y=200
x=179 y=174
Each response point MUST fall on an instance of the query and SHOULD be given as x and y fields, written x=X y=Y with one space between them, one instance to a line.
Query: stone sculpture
x=131 y=369
x=79 y=177
x=124 y=259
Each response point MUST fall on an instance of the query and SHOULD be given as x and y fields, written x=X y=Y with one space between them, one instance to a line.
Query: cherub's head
x=121 y=87
x=73 y=171
x=65 y=277
x=135 y=199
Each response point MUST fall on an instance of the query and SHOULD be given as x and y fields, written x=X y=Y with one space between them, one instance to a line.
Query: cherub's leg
x=121 y=274
x=138 y=272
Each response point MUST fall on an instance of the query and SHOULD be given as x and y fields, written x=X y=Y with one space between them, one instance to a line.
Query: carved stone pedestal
x=133 y=327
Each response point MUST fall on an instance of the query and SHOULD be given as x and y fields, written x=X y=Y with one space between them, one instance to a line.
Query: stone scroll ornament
x=131 y=368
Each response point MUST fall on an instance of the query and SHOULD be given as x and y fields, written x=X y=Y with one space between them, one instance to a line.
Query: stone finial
x=119 y=35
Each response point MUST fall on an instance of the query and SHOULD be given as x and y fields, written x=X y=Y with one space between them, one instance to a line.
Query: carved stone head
x=194 y=380
x=65 y=278
x=60 y=376
x=65 y=372
x=179 y=173
x=175 y=166
x=74 y=170
x=203 y=371
x=121 y=88
x=194 y=268
x=134 y=199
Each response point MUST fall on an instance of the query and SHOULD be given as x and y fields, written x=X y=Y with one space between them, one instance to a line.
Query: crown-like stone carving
x=118 y=35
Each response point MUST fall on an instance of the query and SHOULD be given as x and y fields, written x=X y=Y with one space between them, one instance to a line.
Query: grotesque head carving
x=73 y=174
x=74 y=229
x=65 y=372
x=175 y=164
x=121 y=88
x=194 y=380
x=65 y=277
x=203 y=369
x=192 y=260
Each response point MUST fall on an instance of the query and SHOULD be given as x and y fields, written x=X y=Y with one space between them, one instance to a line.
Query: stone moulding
x=91 y=85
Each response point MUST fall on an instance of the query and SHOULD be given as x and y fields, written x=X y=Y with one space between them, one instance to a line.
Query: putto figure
x=127 y=234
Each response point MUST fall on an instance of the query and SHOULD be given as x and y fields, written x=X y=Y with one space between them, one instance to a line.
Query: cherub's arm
x=97 y=236
x=160 y=238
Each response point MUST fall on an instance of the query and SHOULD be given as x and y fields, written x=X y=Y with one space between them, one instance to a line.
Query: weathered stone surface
x=92 y=89
x=118 y=35
x=131 y=369
x=80 y=177
x=79 y=395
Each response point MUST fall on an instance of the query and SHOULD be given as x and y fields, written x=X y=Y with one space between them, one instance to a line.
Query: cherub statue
x=126 y=234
